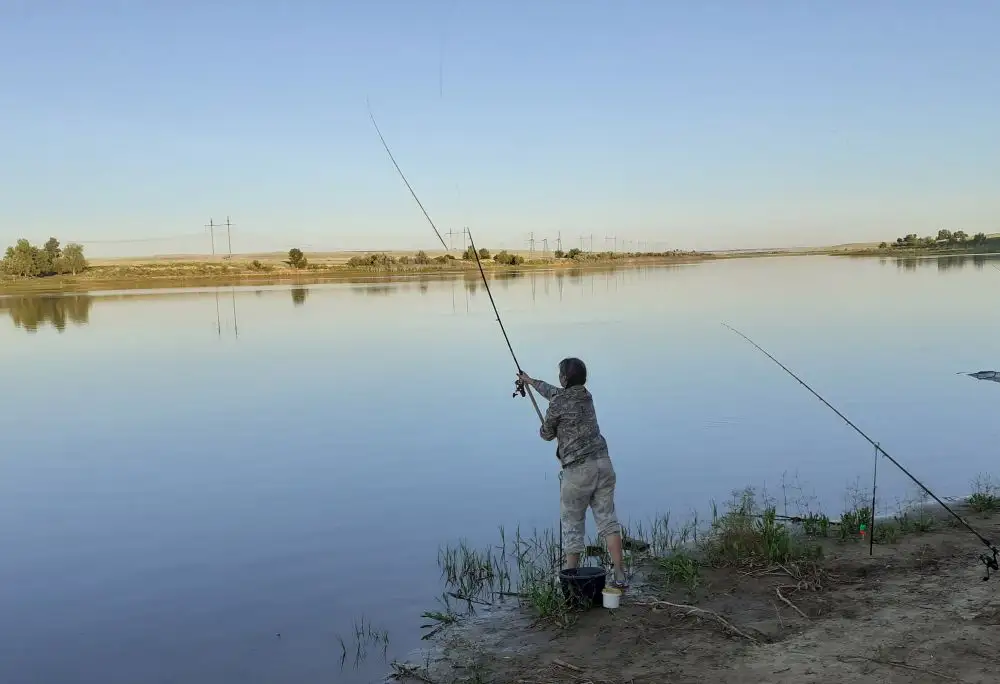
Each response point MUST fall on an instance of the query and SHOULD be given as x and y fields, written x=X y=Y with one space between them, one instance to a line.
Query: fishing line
x=992 y=563
x=520 y=387
x=403 y=176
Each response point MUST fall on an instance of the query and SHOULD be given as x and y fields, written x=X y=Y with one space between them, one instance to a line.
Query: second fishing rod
x=991 y=560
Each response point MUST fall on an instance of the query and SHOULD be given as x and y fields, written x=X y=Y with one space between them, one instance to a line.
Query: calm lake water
x=187 y=474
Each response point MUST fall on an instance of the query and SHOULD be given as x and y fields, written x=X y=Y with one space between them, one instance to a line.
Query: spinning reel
x=519 y=388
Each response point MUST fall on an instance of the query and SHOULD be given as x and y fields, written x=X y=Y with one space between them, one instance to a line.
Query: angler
x=570 y=419
x=587 y=479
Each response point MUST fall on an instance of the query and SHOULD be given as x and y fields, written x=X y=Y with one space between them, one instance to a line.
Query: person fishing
x=588 y=476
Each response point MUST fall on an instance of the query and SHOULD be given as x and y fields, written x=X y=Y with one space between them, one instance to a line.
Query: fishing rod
x=519 y=386
x=991 y=562
x=403 y=176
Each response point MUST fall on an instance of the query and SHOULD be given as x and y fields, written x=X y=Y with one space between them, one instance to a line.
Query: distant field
x=336 y=258
x=275 y=258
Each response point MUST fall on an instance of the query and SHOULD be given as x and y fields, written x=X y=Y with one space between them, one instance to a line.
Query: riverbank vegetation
x=25 y=260
x=945 y=242
x=34 y=269
x=749 y=587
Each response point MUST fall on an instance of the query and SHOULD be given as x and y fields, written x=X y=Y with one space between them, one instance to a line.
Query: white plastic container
x=612 y=597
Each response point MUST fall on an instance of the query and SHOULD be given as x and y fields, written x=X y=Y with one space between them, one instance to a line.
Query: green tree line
x=945 y=238
x=26 y=260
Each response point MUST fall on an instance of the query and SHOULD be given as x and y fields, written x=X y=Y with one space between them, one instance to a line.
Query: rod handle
x=534 y=403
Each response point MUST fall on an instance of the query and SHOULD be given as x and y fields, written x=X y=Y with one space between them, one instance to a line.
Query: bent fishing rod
x=992 y=562
x=519 y=386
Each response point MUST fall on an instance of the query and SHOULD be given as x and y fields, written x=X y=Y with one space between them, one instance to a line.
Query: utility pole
x=591 y=243
x=581 y=243
x=211 y=228
x=614 y=247
x=531 y=244
x=465 y=232
x=449 y=234
x=545 y=246
x=559 y=241
x=229 y=237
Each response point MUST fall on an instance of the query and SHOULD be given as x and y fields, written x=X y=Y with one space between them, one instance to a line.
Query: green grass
x=679 y=568
x=366 y=637
x=748 y=535
x=524 y=568
x=985 y=497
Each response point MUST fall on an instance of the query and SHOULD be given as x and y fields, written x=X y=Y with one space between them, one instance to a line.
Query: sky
x=130 y=125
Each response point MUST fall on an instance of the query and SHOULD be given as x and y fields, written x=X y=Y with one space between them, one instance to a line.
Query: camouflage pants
x=587 y=484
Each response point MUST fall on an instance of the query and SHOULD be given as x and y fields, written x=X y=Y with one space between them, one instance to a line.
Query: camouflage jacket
x=572 y=420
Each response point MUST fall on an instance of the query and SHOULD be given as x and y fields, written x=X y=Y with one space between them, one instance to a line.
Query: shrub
x=296 y=259
x=505 y=258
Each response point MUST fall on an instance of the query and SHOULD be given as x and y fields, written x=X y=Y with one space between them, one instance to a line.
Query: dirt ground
x=918 y=610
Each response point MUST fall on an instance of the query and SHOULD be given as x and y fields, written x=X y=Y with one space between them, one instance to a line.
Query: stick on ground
x=896 y=663
x=790 y=604
x=691 y=610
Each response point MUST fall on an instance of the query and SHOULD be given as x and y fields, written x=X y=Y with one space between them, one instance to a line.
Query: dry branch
x=905 y=666
x=789 y=603
x=692 y=610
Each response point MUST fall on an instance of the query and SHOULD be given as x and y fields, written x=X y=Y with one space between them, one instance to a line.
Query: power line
x=131 y=240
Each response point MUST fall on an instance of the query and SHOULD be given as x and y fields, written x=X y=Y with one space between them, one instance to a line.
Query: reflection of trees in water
x=376 y=290
x=299 y=295
x=949 y=262
x=942 y=263
x=32 y=312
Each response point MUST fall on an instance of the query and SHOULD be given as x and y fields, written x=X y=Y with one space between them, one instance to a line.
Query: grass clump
x=366 y=636
x=749 y=535
x=816 y=525
x=853 y=521
x=524 y=568
x=985 y=496
x=679 y=568
x=916 y=520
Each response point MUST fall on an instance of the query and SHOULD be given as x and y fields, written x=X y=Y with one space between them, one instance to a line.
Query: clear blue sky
x=695 y=124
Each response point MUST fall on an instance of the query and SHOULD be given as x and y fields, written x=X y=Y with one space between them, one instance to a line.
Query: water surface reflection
x=32 y=311
x=204 y=493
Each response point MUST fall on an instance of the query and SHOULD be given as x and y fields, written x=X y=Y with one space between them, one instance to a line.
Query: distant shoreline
x=271 y=269
x=903 y=252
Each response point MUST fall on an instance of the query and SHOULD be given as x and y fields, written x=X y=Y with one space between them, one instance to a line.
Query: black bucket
x=582 y=587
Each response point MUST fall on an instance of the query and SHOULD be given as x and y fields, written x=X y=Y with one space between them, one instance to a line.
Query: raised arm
x=545 y=389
